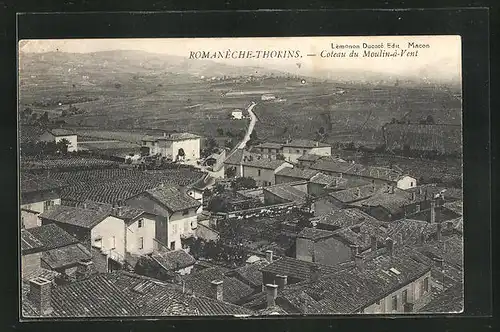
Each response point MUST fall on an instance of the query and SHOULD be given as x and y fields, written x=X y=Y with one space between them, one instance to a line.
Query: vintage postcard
x=240 y=177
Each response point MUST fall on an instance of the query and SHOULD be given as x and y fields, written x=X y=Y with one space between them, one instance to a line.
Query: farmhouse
x=175 y=213
x=294 y=149
x=268 y=96
x=237 y=114
x=251 y=165
x=94 y=228
x=38 y=194
x=174 y=146
x=61 y=251
x=57 y=135
x=268 y=150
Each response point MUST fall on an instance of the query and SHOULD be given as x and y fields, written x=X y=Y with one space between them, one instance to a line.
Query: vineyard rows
x=115 y=185
x=65 y=163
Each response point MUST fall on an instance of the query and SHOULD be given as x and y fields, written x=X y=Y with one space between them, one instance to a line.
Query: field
x=117 y=184
x=126 y=95
x=424 y=137
x=66 y=163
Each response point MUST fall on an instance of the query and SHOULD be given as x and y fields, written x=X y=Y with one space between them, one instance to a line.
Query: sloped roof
x=355 y=193
x=250 y=273
x=61 y=132
x=295 y=268
x=287 y=192
x=233 y=289
x=66 y=256
x=178 y=137
x=393 y=201
x=456 y=206
x=173 y=198
x=263 y=163
x=309 y=157
x=299 y=173
x=269 y=145
x=332 y=166
x=173 y=260
x=343 y=218
x=314 y=234
x=30 y=243
x=304 y=143
x=328 y=180
x=123 y=212
x=52 y=236
x=450 y=301
x=85 y=218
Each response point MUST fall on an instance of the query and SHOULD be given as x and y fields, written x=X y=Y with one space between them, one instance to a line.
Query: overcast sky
x=441 y=61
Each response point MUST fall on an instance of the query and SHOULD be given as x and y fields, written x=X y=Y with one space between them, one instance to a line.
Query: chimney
x=373 y=243
x=389 y=243
x=269 y=256
x=317 y=144
x=354 y=250
x=340 y=175
x=358 y=259
x=164 y=134
x=217 y=290
x=84 y=268
x=40 y=295
x=439 y=262
x=281 y=280
x=433 y=211
x=439 y=229
x=272 y=293
x=315 y=270
x=420 y=190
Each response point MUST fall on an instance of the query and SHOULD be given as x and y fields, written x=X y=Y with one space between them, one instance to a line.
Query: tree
x=217 y=204
x=321 y=130
x=62 y=146
x=243 y=183
x=220 y=131
x=231 y=172
x=429 y=119
x=211 y=144
x=280 y=156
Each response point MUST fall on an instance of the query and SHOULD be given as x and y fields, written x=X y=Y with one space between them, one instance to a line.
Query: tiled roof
x=178 y=136
x=450 y=194
x=450 y=301
x=314 y=234
x=66 y=256
x=174 y=199
x=122 y=212
x=173 y=260
x=269 y=145
x=250 y=274
x=295 y=268
x=343 y=218
x=304 y=143
x=308 y=157
x=328 y=180
x=361 y=234
x=33 y=183
x=381 y=173
x=456 y=206
x=29 y=243
x=61 y=132
x=450 y=249
x=263 y=163
x=353 y=288
x=393 y=201
x=96 y=296
x=300 y=173
x=332 y=166
x=355 y=193
x=287 y=192
x=52 y=236
x=85 y=218
x=233 y=289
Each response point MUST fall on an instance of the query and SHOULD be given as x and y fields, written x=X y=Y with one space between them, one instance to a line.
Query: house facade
x=175 y=214
x=140 y=234
x=264 y=172
x=294 y=149
x=176 y=146
x=57 y=135
x=268 y=150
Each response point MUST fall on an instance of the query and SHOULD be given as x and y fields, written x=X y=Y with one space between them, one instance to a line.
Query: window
x=172 y=245
x=185 y=212
x=141 y=243
x=258 y=172
x=174 y=229
x=139 y=223
x=404 y=296
x=394 y=302
x=426 y=285
x=411 y=184
x=112 y=243
x=98 y=243
x=47 y=205
x=417 y=208
x=298 y=151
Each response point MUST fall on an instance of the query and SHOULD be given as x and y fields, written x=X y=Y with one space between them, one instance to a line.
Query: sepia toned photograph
x=242 y=177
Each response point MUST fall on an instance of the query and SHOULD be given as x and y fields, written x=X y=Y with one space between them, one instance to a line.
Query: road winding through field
x=251 y=126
